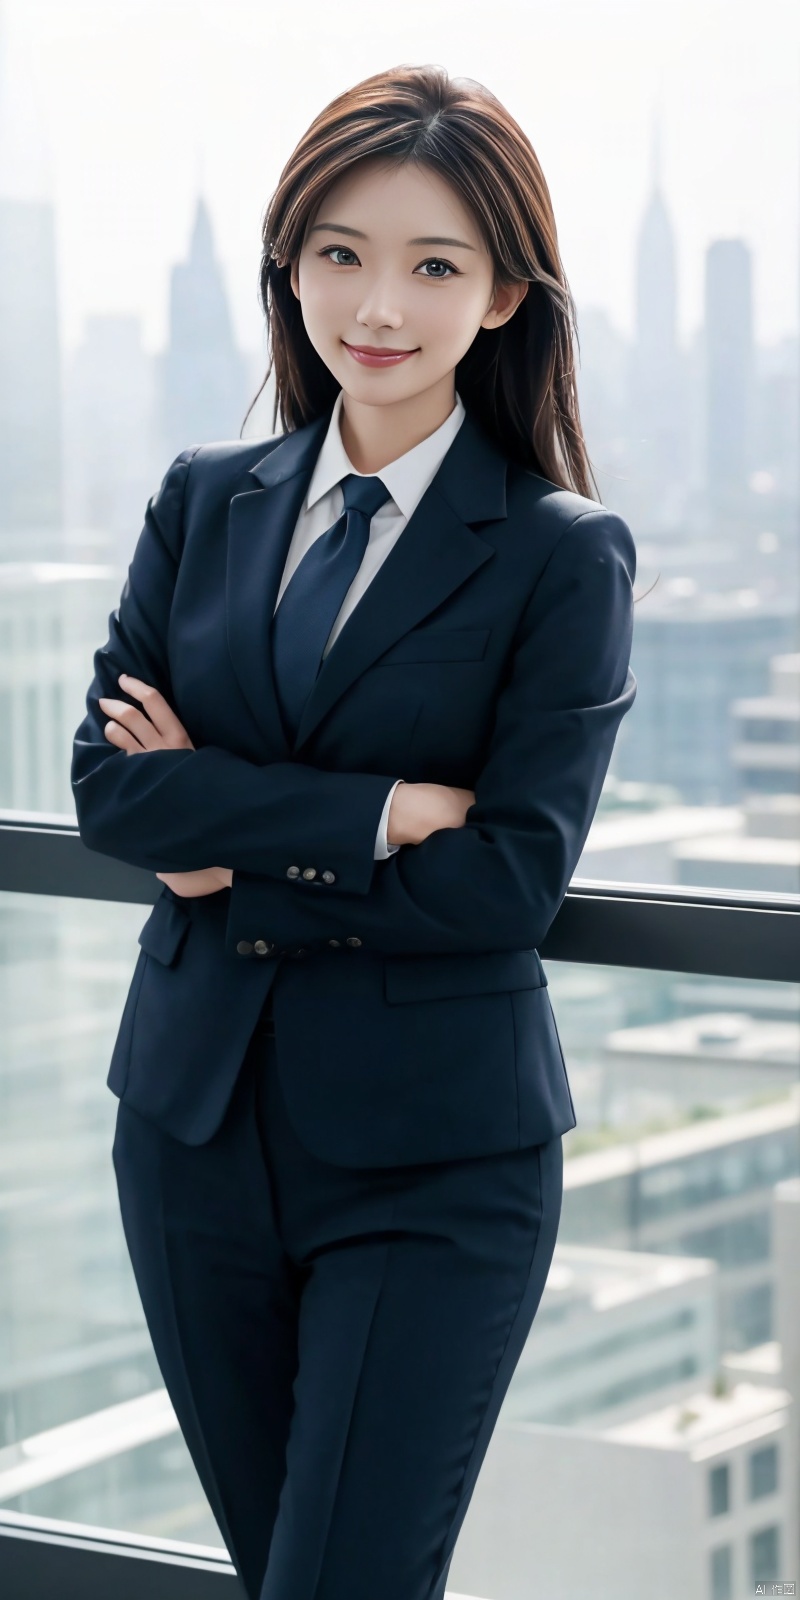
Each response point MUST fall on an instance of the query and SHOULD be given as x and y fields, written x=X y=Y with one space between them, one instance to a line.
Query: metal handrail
x=662 y=927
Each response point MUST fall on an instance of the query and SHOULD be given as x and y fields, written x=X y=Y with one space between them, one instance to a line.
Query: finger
x=134 y=720
x=158 y=709
x=121 y=737
x=183 y=883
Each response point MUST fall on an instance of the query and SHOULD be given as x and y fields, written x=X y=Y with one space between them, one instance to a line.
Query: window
x=763 y=1471
x=721 y=1562
x=719 y=1490
x=765 y=1555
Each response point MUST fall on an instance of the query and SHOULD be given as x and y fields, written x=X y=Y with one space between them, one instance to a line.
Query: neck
x=375 y=435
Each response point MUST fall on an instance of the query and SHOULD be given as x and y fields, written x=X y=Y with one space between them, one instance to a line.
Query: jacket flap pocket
x=164 y=930
x=438 y=644
x=440 y=977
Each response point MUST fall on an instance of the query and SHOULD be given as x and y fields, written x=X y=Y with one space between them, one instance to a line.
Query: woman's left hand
x=132 y=731
x=190 y=884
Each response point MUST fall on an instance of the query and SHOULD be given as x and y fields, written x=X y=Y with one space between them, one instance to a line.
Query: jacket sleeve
x=179 y=810
x=497 y=882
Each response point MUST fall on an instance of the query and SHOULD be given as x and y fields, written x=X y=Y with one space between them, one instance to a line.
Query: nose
x=379 y=308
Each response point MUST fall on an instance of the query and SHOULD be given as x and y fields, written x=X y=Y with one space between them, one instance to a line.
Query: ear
x=505 y=304
x=294 y=279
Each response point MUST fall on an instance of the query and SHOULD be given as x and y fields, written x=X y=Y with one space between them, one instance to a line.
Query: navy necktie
x=314 y=596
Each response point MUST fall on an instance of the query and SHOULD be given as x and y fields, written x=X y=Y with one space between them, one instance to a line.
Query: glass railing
x=649 y=1423
x=87 y=1430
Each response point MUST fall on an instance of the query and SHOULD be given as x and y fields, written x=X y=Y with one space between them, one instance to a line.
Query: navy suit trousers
x=336 y=1343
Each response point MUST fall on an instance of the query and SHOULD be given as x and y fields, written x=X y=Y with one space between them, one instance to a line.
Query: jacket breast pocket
x=409 y=978
x=438 y=644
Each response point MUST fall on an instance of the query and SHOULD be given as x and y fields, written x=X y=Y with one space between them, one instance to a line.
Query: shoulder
x=202 y=474
x=568 y=519
x=226 y=459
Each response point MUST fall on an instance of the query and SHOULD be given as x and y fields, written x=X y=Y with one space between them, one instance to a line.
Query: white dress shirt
x=406 y=478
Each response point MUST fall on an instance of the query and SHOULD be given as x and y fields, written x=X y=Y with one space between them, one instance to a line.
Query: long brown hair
x=517 y=380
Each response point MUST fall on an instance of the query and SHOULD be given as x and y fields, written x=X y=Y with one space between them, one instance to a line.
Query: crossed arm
x=417 y=809
x=186 y=805
x=498 y=866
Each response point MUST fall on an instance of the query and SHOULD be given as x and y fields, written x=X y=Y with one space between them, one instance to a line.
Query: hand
x=419 y=809
x=134 y=732
x=161 y=729
x=207 y=880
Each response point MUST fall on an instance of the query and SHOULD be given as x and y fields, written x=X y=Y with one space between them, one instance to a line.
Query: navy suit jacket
x=491 y=651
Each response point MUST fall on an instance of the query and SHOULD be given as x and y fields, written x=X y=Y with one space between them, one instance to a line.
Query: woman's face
x=393 y=260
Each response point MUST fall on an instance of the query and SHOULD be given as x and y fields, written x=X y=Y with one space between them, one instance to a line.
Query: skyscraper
x=30 y=369
x=730 y=370
x=657 y=383
x=109 y=471
x=204 y=380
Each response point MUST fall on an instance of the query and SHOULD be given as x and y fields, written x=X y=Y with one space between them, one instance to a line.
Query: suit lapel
x=261 y=521
x=436 y=552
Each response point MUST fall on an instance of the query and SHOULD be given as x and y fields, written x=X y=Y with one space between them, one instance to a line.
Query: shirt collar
x=406 y=478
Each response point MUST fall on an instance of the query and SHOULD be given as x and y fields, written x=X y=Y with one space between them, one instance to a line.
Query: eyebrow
x=338 y=227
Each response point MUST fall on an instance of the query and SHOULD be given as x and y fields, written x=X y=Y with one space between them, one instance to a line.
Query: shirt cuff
x=382 y=848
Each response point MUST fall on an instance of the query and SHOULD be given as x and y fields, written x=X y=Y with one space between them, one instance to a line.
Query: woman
x=378 y=671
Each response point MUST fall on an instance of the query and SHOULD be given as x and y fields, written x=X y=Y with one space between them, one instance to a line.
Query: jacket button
x=353 y=941
x=309 y=872
x=329 y=877
x=335 y=943
x=262 y=947
x=243 y=948
x=292 y=872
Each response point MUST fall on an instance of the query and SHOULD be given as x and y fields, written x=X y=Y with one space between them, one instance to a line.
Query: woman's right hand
x=419 y=809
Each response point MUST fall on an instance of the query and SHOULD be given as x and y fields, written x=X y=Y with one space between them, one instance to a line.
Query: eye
x=331 y=247
x=437 y=262
x=329 y=250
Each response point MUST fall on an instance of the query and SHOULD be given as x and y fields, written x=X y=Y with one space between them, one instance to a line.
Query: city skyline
x=123 y=143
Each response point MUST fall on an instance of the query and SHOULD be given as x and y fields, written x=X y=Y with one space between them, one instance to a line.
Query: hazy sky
x=137 y=98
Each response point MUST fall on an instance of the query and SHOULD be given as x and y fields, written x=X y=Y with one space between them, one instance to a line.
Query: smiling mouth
x=377 y=357
x=377 y=350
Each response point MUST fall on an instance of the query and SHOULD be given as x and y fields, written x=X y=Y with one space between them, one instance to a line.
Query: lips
x=378 y=350
x=377 y=357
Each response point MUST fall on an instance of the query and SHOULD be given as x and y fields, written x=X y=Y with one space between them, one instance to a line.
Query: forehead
x=380 y=197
